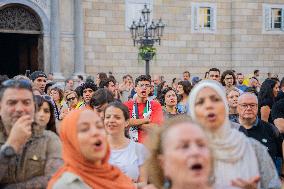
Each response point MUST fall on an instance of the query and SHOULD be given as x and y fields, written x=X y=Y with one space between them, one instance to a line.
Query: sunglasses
x=22 y=83
x=69 y=99
x=46 y=97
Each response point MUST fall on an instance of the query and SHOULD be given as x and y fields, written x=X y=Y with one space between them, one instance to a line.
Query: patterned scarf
x=133 y=130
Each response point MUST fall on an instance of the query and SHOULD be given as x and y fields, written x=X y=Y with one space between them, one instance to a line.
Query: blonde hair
x=230 y=90
x=155 y=145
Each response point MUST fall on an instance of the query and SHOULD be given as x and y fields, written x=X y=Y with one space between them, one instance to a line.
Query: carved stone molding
x=17 y=18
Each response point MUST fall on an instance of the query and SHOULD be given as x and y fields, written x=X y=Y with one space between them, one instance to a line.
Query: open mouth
x=98 y=145
x=196 y=167
x=143 y=93
x=211 y=116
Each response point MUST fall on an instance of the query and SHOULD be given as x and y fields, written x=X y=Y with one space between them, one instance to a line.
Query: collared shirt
x=38 y=160
x=255 y=123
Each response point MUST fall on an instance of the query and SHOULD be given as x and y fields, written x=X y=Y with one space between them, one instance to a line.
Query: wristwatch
x=8 y=151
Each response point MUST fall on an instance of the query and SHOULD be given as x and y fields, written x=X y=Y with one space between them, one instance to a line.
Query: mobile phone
x=28 y=72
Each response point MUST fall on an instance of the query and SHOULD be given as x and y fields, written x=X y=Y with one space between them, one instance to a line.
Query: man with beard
x=87 y=91
x=144 y=113
x=240 y=81
x=110 y=84
x=39 y=80
x=29 y=155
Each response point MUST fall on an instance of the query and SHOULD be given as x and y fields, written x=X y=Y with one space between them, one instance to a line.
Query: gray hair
x=247 y=94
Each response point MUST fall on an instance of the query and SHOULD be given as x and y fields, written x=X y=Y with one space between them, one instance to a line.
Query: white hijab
x=233 y=153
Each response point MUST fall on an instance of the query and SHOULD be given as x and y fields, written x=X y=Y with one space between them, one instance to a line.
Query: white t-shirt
x=129 y=159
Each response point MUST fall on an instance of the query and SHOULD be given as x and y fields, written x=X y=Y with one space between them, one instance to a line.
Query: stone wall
x=252 y=49
x=238 y=42
x=67 y=37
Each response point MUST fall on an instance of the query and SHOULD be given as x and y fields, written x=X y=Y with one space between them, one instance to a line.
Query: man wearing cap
x=39 y=79
x=29 y=155
x=195 y=80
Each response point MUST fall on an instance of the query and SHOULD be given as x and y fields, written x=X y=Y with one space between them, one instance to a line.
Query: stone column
x=55 y=50
x=79 y=67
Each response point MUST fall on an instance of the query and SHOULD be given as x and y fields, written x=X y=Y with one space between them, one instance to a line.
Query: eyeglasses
x=144 y=85
x=69 y=99
x=22 y=83
x=246 y=106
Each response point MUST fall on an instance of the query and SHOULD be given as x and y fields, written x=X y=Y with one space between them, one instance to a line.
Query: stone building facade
x=91 y=36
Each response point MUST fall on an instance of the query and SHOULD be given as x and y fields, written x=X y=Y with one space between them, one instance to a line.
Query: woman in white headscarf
x=239 y=161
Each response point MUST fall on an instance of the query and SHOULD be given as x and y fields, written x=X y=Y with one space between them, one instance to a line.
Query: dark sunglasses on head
x=46 y=97
x=22 y=83
x=69 y=99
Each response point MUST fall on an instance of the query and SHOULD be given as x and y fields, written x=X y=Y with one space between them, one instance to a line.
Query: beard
x=247 y=121
x=7 y=126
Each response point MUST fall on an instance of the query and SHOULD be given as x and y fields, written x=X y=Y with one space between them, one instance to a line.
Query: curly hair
x=163 y=93
x=87 y=85
x=228 y=72
x=266 y=90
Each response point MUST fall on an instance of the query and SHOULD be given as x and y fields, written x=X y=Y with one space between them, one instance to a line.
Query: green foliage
x=146 y=52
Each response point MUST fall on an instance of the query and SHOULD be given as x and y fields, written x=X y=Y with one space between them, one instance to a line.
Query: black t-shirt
x=277 y=110
x=268 y=135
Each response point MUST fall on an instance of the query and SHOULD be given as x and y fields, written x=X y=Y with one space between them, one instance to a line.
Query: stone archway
x=21 y=40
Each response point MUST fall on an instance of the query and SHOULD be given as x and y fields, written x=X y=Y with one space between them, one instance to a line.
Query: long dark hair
x=160 y=88
x=266 y=90
x=186 y=85
x=39 y=100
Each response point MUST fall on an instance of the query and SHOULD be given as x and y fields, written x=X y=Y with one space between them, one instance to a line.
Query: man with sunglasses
x=266 y=133
x=29 y=155
x=144 y=112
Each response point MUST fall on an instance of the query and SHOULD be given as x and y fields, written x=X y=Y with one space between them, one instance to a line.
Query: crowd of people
x=224 y=131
